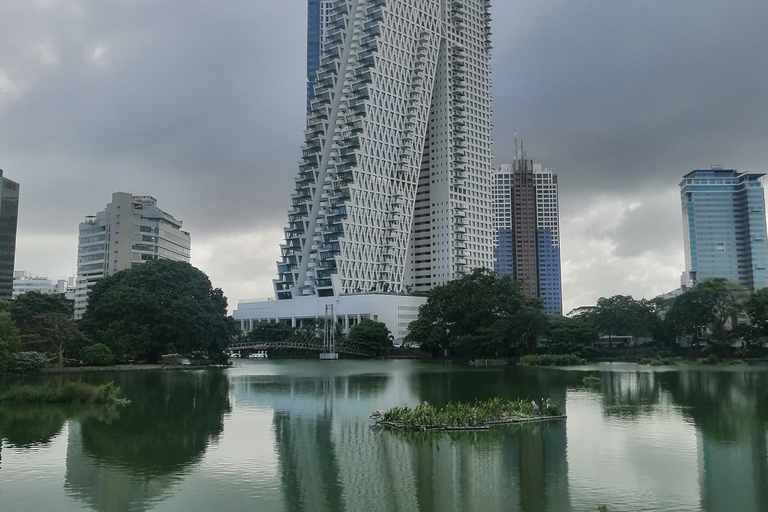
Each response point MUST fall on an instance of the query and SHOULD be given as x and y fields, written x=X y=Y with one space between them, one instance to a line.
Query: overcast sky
x=201 y=104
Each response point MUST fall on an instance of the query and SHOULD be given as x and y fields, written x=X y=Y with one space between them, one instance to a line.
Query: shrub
x=591 y=380
x=552 y=360
x=25 y=362
x=97 y=355
x=710 y=360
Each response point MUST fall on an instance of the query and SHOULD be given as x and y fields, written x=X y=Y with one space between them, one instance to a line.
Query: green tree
x=726 y=299
x=10 y=339
x=156 y=308
x=622 y=315
x=26 y=310
x=369 y=335
x=97 y=355
x=757 y=309
x=264 y=331
x=570 y=335
x=57 y=332
x=710 y=305
x=478 y=314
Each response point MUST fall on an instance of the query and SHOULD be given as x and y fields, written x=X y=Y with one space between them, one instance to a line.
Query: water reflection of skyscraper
x=330 y=458
x=730 y=412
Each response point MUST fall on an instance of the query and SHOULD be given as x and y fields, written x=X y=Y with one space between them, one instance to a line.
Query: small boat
x=261 y=354
x=234 y=355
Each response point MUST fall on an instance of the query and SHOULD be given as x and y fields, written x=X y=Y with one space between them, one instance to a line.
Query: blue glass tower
x=316 y=13
x=724 y=227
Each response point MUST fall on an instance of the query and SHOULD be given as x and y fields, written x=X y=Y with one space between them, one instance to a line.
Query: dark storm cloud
x=201 y=103
x=193 y=102
x=632 y=94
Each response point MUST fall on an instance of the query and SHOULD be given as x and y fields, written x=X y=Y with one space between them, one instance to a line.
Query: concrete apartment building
x=527 y=229
x=9 y=216
x=724 y=227
x=129 y=231
x=394 y=190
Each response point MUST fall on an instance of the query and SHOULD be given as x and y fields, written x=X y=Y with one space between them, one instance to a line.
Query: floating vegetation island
x=464 y=416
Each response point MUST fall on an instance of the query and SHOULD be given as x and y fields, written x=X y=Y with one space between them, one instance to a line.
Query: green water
x=295 y=435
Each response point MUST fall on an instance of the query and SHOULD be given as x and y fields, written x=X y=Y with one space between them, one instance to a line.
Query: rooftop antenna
x=517 y=149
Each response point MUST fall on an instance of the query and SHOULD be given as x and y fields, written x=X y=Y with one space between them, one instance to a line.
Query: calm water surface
x=295 y=436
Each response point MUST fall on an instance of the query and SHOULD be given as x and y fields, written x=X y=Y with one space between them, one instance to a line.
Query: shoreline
x=126 y=368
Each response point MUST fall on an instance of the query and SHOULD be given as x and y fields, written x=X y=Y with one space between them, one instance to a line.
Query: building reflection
x=728 y=409
x=131 y=463
x=330 y=460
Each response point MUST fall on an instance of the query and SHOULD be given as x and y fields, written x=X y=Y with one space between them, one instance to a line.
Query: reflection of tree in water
x=629 y=394
x=730 y=411
x=127 y=464
x=26 y=426
x=172 y=418
x=439 y=388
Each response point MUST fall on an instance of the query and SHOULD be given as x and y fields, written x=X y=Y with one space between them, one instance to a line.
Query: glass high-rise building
x=527 y=229
x=724 y=227
x=9 y=215
x=394 y=190
x=317 y=21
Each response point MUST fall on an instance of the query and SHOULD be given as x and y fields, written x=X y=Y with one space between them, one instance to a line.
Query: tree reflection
x=730 y=411
x=172 y=418
x=130 y=463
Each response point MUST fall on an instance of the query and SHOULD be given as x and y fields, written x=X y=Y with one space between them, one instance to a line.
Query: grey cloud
x=201 y=104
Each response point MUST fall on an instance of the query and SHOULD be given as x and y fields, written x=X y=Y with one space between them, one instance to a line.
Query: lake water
x=288 y=435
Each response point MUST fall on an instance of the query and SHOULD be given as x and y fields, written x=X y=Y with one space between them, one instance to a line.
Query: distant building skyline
x=24 y=282
x=527 y=228
x=106 y=247
x=724 y=227
x=9 y=218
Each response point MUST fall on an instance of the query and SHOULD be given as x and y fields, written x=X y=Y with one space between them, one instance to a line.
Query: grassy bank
x=458 y=415
x=71 y=392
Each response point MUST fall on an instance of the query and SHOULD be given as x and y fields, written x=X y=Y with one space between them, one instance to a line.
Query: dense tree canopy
x=10 y=339
x=156 y=308
x=622 y=315
x=571 y=335
x=370 y=335
x=27 y=310
x=478 y=314
x=264 y=331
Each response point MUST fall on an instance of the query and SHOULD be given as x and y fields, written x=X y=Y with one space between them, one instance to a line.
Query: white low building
x=396 y=311
x=24 y=282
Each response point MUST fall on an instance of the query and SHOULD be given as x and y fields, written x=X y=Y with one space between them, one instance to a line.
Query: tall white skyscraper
x=129 y=231
x=394 y=191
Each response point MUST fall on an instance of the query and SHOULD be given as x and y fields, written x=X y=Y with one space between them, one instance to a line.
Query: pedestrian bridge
x=314 y=345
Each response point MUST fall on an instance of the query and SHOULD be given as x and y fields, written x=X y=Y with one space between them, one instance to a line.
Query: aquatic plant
x=465 y=415
x=592 y=380
x=75 y=392
x=552 y=360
